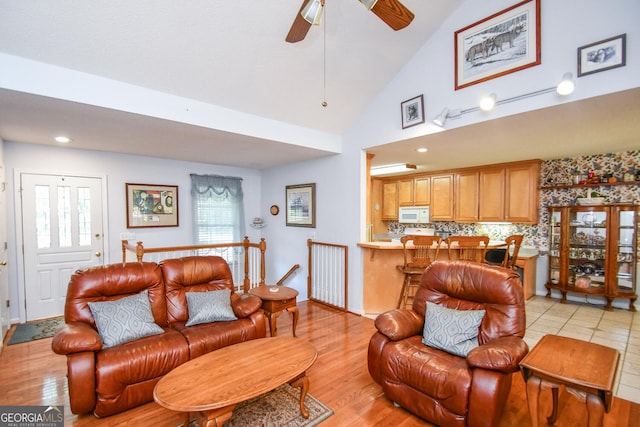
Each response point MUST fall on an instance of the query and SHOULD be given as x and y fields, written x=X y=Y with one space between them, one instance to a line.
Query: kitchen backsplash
x=555 y=172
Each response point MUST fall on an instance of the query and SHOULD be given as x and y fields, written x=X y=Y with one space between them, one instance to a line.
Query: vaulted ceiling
x=233 y=54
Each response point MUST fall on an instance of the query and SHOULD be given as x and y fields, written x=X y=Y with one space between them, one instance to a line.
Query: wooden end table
x=276 y=299
x=587 y=371
x=211 y=385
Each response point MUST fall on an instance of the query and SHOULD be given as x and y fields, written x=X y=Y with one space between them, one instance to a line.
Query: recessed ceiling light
x=422 y=150
x=62 y=139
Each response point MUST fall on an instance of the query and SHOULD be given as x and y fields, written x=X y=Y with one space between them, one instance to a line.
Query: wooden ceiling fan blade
x=300 y=26
x=393 y=13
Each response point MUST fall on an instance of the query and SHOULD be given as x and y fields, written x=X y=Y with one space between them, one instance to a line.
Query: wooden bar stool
x=513 y=248
x=470 y=248
x=425 y=249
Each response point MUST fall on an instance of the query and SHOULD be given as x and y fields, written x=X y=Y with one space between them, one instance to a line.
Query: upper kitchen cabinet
x=442 y=197
x=389 y=200
x=506 y=192
x=466 y=196
x=492 y=195
x=521 y=192
x=414 y=191
x=498 y=193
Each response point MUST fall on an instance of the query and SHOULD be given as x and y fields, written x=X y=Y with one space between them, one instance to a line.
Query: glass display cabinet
x=593 y=251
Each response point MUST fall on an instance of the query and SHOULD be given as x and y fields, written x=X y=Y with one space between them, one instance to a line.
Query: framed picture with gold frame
x=301 y=205
x=150 y=205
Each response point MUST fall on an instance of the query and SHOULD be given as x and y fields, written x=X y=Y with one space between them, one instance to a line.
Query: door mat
x=36 y=330
x=278 y=408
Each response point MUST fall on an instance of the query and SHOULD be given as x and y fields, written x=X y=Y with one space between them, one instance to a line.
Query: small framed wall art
x=602 y=55
x=301 y=205
x=412 y=111
x=150 y=205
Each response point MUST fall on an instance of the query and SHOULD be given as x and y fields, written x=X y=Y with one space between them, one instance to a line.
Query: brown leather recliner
x=440 y=387
x=110 y=380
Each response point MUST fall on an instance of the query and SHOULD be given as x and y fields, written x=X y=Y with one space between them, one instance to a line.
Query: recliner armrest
x=245 y=305
x=502 y=354
x=76 y=337
x=399 y=324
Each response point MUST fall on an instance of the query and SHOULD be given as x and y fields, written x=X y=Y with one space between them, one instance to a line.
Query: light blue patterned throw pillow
x=207 y=307
x=454 y=331
x=124 y=320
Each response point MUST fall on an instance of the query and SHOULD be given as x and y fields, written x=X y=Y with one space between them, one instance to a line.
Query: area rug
x=36 y=330
x=278 y=408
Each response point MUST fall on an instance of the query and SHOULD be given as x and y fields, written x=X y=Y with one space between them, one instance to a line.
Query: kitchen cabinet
x=500 y=193
x=390 y=200
x=442 y=197
x=593 y=251
x=422 y=191
x=405 y=192
x=521 y=200
x=492 y=195
x=466 y=196
x=414 y=191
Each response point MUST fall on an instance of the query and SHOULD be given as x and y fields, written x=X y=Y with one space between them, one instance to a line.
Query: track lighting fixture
x=566 y=85
x=442 y=117
x=488 y=102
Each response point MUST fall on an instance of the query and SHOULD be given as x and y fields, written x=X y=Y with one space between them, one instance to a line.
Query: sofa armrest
x=399 y=324
x=502 y=354
x=245 y=305
x=76 y=337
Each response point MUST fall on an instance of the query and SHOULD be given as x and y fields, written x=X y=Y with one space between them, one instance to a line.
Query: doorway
x=62 y=231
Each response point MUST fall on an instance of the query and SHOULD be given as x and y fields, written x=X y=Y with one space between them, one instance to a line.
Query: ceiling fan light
x=369 y=3
x=312 y=12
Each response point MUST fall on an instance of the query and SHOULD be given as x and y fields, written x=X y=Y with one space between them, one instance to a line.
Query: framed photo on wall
x=412 y=111
x=500 y=44
x=150 y=205
x=301 y=205
x=602 y=55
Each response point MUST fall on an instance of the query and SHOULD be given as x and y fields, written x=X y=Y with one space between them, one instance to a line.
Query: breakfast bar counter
x=383 y=281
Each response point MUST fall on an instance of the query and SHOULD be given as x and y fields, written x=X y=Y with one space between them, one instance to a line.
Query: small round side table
x=276 y=299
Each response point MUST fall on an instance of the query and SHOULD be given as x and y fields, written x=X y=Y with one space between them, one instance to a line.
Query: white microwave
x=414 y=215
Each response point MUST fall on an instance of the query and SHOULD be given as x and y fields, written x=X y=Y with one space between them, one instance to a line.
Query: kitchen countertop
x=525 y=251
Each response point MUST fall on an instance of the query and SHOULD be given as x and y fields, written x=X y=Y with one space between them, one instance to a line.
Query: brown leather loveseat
x=110 y=380
x=444 y=388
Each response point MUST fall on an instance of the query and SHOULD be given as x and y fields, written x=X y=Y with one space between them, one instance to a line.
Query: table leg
x=295 y=314
x=272 y=323
x=554 y=412
x=533 y=394
x=215 y=417
x=595 y=411
x=303 y=383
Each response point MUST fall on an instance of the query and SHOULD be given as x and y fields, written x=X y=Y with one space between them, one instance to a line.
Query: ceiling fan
x=392 y=12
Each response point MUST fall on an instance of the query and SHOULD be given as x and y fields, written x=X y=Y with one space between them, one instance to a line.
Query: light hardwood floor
x=31 y=374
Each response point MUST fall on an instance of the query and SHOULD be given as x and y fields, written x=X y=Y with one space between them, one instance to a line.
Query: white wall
x=339 y=179
x=566 y=25
x=119 y=169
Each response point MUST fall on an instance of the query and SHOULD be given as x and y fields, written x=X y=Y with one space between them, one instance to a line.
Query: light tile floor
x=619 y=329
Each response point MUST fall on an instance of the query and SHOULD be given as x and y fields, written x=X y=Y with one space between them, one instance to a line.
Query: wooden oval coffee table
x=213 y=384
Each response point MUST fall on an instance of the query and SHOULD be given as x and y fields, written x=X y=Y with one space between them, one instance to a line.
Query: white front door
x=62 y=231
x=4 y=275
